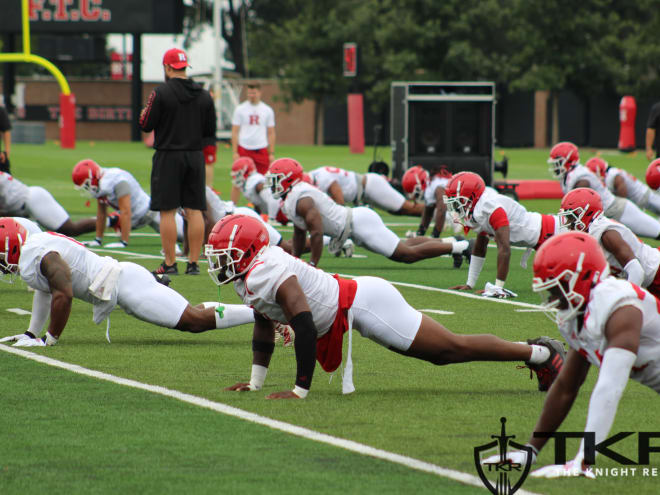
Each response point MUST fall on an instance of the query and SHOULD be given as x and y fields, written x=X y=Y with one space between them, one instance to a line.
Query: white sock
x=232 y=315
x=448 y=239
x=540 y=354
x=459 y=246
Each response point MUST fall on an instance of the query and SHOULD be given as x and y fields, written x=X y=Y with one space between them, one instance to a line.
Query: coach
x=182 y=115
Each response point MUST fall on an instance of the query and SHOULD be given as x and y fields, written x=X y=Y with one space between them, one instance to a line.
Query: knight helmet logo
x=505 y=471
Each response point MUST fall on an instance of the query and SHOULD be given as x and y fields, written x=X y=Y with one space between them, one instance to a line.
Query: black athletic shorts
x=178 y=178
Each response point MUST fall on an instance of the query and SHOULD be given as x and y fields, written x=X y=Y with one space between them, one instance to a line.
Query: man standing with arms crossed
x=182 y=115
x=253 y=133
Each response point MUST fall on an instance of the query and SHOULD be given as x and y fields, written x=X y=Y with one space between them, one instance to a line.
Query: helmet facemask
x=8 y=270
x=224 y=264
x=557 y=167
x=274 y=182
x=238 y=178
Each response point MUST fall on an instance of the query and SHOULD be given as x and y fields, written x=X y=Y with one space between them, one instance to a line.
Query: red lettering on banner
x=88 y=12
x=75 y=15
x=34 y=7
x=46 y=15
x=79 y=114
x=61 y=13
x=54 y=112
x=254 y=120
x=92 y=113
x=106 y=16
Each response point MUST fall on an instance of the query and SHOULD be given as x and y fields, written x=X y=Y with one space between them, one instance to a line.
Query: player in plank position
x=565 y=165
x=492 y=214
x=19 y=200
x=59 y=268
x=624 y=185
x=345 y=186
x=581 y=210
x=320 y=308
x=245 y=177
x=610 y=323
x=119 y=189
x=313 y=211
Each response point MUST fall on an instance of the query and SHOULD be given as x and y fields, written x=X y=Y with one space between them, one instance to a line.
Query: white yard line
x=437 y=311
x=261 y=420
x=19 y=311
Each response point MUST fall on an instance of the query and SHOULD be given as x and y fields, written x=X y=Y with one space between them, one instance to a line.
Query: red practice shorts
x=260 y=158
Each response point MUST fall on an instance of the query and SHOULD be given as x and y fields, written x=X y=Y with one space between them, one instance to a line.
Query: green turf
x=435 y=414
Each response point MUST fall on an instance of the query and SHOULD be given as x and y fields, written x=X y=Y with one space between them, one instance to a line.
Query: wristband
x=311 y=263
x=300 y=392
x=499 y=283
x=123 y=242
x=49 y=339
x=258 y=376
x=476 y=264
x=99 y=240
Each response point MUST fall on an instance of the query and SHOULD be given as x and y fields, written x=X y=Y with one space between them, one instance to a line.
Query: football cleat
x=547 y=371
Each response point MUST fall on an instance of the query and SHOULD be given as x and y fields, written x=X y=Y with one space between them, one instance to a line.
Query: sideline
x=261 y=420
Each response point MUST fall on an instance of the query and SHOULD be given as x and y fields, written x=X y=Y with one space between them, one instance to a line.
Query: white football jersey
x=323 y=177
x=274 y=266
x=648 y=257
x=28 y=225
x=636 y=189
x=579 y=173
x=333 y=215
x=436 y=182
x=84 y=264
x=216 y=209
x=524 y=226
x=605 y=299
x=263 y=199
x=13 y=194
x=140 y=200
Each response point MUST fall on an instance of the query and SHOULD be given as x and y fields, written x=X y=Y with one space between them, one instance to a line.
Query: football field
x=147 y=413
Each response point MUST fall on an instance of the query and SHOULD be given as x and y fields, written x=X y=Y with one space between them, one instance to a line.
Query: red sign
x=350 y=59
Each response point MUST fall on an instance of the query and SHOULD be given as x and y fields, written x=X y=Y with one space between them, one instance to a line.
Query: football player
x=313 y=211
x=216 y=209
x=492 y=214
x=624 y=185
x=345 y=186
x=59 y=268
x=119 y=189
x=419 y=185
x=581 y=210
x=245 y=177
x=565 y=165
x=321 y=308
x=610 y=323
x=19 y=200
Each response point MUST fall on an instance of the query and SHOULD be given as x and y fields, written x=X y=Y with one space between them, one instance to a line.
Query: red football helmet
x=563 y=157
x=12 y=237
x=462 y=194
x=579 y=208
x=233 y=245
x=598 y=166
x=415 y=181
x=241 y=169
x=568 y=265
x=653 y=174
x=86 y=176
x=307 y=178
x=283 y=174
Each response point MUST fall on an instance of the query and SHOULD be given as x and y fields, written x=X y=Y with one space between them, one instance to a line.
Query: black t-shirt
x=5 y=125
x=654 y=123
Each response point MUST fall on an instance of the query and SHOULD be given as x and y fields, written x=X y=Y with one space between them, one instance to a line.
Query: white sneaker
x=348 y=249
x=177 y=250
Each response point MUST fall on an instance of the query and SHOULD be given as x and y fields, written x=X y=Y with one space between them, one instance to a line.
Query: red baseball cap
x=176 y=59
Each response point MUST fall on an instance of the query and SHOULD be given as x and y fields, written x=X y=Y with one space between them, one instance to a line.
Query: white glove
x=492 y=290
x=514 y=457
x=116 y=245
x=570 y=469
x=15 y=338
x=30 y=343
x=94 y=243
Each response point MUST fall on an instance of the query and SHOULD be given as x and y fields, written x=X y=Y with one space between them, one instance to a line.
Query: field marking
x=437 y=311
x=299 y=431
x=19 y=311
